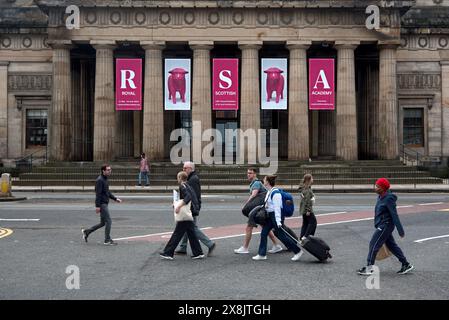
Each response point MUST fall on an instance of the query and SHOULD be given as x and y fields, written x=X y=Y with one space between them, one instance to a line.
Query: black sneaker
x=211 y=249
x=200 y=256
x=85 y=235
x=406 y=268
x=110 y=243
x=165 y=256
x=180 y=252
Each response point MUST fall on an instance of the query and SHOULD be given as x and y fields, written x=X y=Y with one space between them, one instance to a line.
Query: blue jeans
x=384 y=234
x=199 y=234
x=143 y=174
x=279 y=233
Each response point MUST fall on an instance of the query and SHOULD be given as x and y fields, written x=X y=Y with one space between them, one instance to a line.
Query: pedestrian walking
x=194 y=182
x=184 y=227
x=385 y=220
x=309 y=222
x=275 y=221
x=101 y=205
x=144 y=171
x=256 y=190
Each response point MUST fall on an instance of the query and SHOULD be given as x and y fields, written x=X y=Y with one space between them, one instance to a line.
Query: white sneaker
x=297 y=256
x=260 y=257
x=241 y=250
x=275 y=249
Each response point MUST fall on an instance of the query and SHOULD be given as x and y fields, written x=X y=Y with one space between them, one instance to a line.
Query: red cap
x=383 y=183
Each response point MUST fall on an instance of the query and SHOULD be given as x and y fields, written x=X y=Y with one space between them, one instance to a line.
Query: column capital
x=103 y=44
x=4 y=63
x=61 y=44
x=250 y=44
x=201 y=45
x=301 y=44
x=392 y=44
x=152 y=45
x=346 y=45
x=444 y=56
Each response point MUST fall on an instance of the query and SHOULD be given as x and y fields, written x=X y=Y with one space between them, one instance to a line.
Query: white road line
x=399 y=207
x=430 y=204
x=426 y=239
x=1 y=219
x=162 y=234
x=166 y=234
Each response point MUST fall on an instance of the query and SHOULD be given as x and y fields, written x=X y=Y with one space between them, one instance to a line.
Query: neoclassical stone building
x=57 y=84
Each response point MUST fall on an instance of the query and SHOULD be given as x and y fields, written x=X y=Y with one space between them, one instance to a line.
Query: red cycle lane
x=238 y=230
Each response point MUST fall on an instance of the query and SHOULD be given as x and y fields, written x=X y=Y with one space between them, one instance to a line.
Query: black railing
x=410 y=156
x=26 y=163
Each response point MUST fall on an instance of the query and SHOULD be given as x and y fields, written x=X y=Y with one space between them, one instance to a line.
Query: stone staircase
x=289 y=173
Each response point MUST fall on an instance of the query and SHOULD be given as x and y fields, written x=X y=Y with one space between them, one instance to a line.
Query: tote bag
x=185 y=214
x=383 y=253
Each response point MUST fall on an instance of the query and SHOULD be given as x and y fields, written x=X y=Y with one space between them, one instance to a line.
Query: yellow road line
x=5 y=232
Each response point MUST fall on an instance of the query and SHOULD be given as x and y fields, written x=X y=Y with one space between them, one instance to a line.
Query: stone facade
x=45 y=65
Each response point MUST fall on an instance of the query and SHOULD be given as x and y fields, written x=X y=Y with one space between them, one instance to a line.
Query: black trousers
x=181 y=228
x=308 y=225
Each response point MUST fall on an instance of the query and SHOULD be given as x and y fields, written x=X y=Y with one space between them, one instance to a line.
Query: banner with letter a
x=321 y=84
x=128 y=84
x=225 y=84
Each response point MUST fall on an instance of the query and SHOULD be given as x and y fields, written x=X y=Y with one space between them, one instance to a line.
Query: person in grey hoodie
x=385 y=220
x=309 y=222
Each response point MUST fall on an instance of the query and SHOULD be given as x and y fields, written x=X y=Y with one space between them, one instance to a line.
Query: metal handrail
x=29 y=158
x=410 y=155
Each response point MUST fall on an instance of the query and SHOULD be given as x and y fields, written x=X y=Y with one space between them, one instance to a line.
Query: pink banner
x=321 y=84
x=128 y=84
x=225 y=84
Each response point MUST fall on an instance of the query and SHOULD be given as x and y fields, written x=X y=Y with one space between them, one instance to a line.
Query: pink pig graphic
x=177 y=83
x=275 y=82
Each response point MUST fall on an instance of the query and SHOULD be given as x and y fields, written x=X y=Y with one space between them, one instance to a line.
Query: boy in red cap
x=385 y=219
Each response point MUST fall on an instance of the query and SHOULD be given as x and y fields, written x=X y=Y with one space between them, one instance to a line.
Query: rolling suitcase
x=313 y=245
x=317 y=247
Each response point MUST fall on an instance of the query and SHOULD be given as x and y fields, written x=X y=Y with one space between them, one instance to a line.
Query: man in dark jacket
x=385 y=220
x=101 y=205
x=193 y=181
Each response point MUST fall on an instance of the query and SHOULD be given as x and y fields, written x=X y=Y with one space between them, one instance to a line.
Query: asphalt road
x=35 y=257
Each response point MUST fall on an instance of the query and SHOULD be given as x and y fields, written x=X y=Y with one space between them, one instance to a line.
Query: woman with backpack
x=309 y=222
x=273 y=205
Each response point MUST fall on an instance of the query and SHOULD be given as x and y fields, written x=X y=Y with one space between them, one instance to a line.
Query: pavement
x=42 y=250
x=239 y=188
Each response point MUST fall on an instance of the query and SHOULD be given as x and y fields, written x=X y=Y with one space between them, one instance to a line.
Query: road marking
x=430 y=204
x=399 y=207
x=162 y=234
x=5 y=232
x=444 y=210
x=1 y=219
x=426 y=239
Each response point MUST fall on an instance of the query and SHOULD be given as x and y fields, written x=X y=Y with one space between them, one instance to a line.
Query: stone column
x=298 y=113
x=388 y=103
x=346 y=103
x=250 y=93
x=445 y=105
x=61 y=113
x=153 y=109
x=201 y=94
x=104 y=118
x=3 y=109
